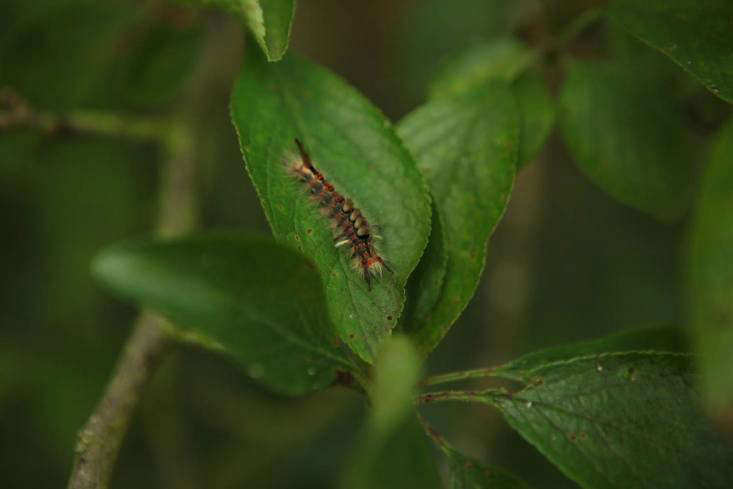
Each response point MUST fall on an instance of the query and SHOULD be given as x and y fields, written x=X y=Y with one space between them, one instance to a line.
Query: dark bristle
x=303 y=153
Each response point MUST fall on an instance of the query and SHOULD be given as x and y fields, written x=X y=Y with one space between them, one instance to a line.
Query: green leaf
x=467 y=473
x=269 y=21
x=662 y=339
x=435 y=30
x=425 y=286
x=628 y=136
x=711 y=275
x=466 y=146
x=510 y=60
x=354 y=145
x=502 y=59
x=259 y=302
x=394 y=452
x=695 y=34
x=619 y=420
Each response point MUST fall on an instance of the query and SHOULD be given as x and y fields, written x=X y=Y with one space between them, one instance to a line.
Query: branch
x=478 y=373
x=433 y=434
x=16 y=113
x=100 y=439
x=459 y=396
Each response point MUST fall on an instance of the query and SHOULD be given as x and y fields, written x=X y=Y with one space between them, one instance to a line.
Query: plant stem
x=478 y=373
x=433 y=434
x=100 y=439
x=558 y=42
x=461 y=396
x=17 y=114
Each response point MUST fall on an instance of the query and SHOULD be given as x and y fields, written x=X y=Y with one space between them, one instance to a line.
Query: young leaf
x=355 y=147
x=695 y=34
x=628 y=136
x=394 y=452
x=711 y=275
x=619 y=420
x=466 y=146
x=504 y=59
x=269 y=21
x=259 y=302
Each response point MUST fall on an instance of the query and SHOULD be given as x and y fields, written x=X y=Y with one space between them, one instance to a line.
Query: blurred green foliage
x=567 y=262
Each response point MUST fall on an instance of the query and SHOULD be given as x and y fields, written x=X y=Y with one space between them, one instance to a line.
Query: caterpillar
x=351 y=228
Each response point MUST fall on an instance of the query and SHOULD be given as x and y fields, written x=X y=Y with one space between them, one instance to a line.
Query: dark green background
x=566 y=263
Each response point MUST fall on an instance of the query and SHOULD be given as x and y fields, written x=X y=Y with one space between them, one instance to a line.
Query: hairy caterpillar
x=350 y=226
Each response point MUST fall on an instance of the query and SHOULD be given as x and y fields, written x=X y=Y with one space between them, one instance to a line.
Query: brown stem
x=100 y=439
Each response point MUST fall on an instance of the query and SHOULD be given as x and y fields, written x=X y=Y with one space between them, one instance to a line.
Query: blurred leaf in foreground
x=394 y=452
x=257 y=301
x=711 y=275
